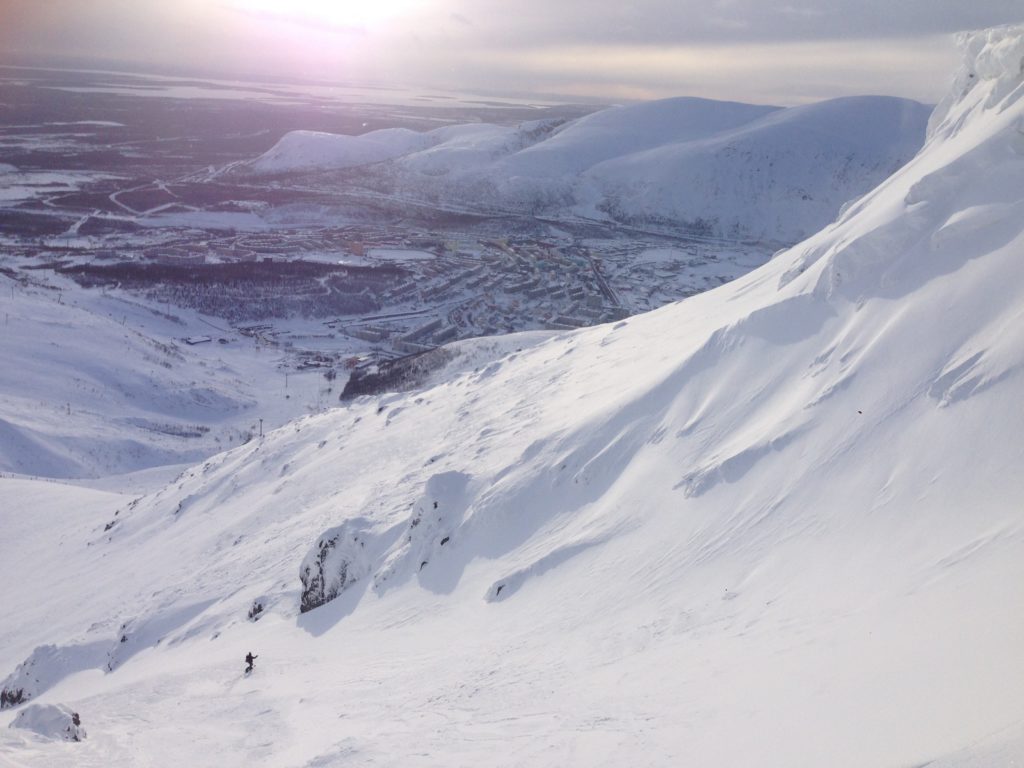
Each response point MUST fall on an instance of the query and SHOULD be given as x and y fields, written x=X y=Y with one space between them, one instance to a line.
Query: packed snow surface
x=775 y=524
x=716 y=168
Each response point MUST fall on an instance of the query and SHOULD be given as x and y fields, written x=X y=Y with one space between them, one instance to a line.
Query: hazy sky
x=783 y=52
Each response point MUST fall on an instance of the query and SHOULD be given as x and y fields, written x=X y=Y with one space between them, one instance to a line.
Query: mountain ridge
x=697 y=164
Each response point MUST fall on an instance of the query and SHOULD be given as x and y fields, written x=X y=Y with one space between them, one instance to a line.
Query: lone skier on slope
x=249 y=659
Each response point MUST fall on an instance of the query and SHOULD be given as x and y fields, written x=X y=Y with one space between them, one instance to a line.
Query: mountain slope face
x=775 y=524
x=716 y=168
x=96 y=383
x=141 y=399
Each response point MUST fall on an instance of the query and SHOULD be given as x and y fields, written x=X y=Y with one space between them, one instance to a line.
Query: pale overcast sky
x=784 y=52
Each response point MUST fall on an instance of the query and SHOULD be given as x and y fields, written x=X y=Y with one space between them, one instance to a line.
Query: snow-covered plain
x=16 y=185
x=716 y=168
x=775 y=524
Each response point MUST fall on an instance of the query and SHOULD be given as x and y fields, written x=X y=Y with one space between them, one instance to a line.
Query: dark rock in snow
x=12 y=697
x=336 y=561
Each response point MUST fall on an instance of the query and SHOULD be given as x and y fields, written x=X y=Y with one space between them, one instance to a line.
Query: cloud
x=767 y=73
x=668 y=22
x=740 y=49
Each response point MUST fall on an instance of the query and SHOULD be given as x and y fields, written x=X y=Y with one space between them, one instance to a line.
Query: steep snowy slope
x=781 y=177
x=716 y=167
x=775 y=524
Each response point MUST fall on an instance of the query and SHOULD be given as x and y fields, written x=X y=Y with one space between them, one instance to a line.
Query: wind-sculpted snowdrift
x=51 y=722
x=775 y=524
x=715 y=168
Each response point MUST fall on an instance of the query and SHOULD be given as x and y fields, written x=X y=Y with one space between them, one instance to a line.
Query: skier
x=249 y=659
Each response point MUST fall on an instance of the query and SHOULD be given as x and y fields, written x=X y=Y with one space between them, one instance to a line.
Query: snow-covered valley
x=99 y=384
x=778 y=523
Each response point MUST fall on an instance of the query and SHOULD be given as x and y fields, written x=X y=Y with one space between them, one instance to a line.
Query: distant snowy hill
x=717 y=168
x=781 y=177
x=301 y=150
x=775 y=524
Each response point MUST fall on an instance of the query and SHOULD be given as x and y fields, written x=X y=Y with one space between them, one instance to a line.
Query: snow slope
x=100 y=384
x=617 y=131
x=775 y=524
x=299 y=150
x=720 y=168
x=782 y=177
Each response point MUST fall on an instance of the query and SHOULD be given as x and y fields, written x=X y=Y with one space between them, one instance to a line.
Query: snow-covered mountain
x=775 y=524
x=719 y=168
x=304 y=150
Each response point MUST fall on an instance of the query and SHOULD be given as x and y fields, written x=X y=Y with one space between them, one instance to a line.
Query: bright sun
x=341 y=13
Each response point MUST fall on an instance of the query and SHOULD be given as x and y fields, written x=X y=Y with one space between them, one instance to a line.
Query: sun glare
x=339 y=13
